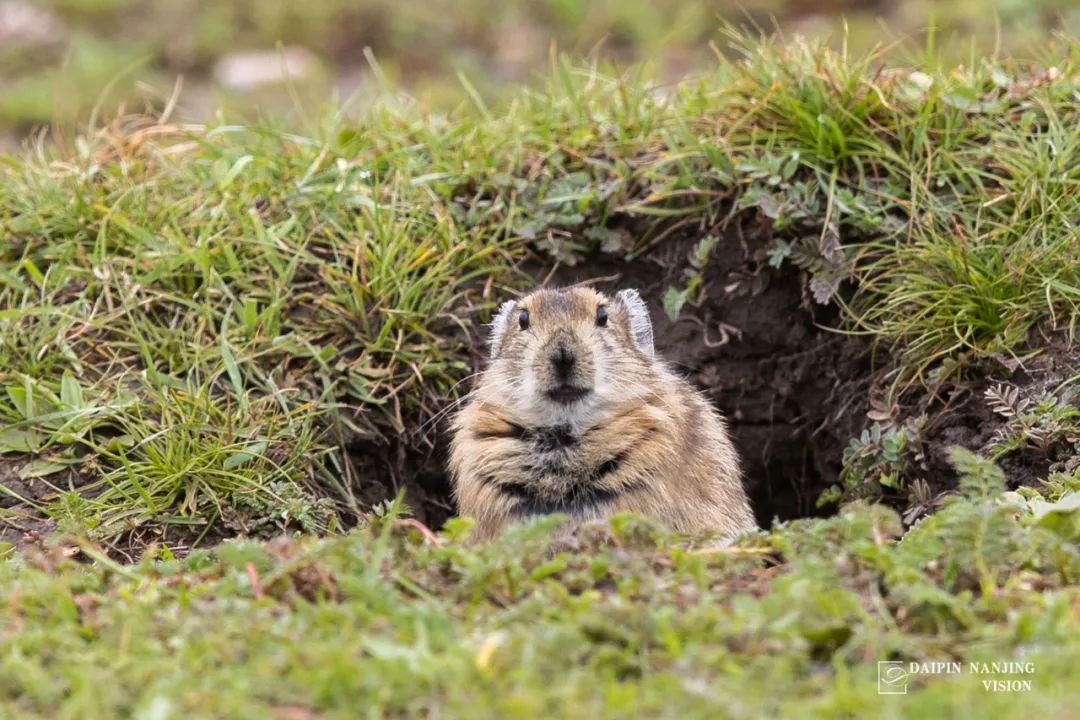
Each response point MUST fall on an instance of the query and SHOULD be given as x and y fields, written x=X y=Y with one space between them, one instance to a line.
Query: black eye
x=523 y=320
x=601 y=316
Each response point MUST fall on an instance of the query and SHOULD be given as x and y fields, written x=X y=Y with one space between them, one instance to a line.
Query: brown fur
x=640 y=439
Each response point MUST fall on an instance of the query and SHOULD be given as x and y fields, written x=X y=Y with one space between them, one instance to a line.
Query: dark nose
x=562 y=361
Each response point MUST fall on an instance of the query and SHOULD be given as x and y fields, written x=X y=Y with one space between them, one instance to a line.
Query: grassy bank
x=196 y=321
x=208 y=331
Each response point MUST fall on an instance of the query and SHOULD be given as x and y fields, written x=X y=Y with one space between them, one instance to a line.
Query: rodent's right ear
x=499 y=324
x=640 y=322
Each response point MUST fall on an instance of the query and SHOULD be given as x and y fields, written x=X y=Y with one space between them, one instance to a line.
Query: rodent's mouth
x=567 y=394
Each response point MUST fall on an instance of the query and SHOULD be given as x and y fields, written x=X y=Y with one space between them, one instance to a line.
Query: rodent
x=575 y=413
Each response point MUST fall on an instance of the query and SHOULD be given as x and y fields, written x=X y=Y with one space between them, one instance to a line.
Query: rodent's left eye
x=601 y=316
x=523 y=320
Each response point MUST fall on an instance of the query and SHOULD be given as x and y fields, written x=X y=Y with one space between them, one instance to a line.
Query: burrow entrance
x=794 y=392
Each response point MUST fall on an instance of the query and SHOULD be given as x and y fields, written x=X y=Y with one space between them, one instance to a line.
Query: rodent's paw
x=583 y=535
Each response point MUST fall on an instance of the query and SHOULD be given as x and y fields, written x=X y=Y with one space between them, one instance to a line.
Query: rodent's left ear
x=640 y=323
x=498 y=326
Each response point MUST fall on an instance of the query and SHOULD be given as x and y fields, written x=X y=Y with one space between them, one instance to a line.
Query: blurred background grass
x=62 y=60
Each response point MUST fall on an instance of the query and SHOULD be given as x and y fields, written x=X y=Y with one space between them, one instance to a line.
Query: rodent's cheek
x=499 y=382
x=614 y=375
x=602 y=383
x=517 y=373
x=535 y=370
x=529 y=386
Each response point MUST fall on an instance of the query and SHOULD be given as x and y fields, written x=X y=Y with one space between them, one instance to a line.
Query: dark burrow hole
x=794 y=391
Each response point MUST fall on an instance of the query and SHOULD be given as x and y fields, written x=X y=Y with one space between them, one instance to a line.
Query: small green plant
x=41 y=421
x=1042 y=423
x=675 y=298
x=881 y=459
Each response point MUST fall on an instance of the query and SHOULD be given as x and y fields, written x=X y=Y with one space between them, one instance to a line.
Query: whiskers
x=626 y=382
x=499 y=385
x=623 y=385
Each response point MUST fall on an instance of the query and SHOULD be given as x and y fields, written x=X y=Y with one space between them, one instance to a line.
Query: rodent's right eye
x=523 y=320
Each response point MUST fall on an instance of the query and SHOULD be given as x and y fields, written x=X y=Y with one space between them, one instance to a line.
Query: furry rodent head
x=562 y=356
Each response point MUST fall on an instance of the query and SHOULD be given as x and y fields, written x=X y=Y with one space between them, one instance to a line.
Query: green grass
x=222 y=345
x=632 y=623
x=275 y=295
x=198 y=323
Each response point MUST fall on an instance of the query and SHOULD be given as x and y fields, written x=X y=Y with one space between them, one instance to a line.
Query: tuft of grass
x=994 y=257
x=207 y=291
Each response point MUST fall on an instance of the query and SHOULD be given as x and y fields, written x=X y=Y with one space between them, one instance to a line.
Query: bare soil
x=20 y=522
